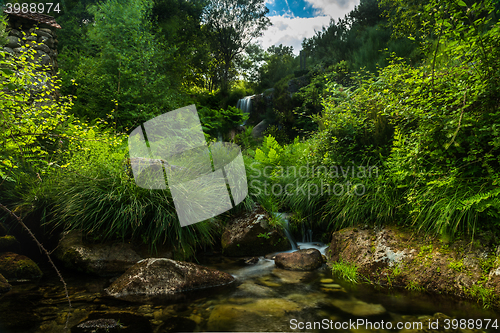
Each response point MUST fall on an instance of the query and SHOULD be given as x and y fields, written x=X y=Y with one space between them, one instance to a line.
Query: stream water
x=264 y=299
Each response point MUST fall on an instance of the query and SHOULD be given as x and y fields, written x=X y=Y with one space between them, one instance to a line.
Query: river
x=263 y=299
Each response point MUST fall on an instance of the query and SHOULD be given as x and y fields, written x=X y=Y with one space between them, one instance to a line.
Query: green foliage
x=97 y=194
x=486 y=296
x=362 y=38
x=231 y=26
x=414 y=286
x=217 y=123
x=128 y=75
x=432 y=131
x=279 y=62
x=457 y=265
x=266 y=236
x=245 y=139
x=346 y=271
x=34 y=125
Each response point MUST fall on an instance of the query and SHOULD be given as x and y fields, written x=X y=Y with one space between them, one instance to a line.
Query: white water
x=245 y=105
x=265 y=266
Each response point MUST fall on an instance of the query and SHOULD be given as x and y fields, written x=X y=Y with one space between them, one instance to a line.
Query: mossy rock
x=7 y=242
x=16 y=267
x=104 y=259
x=251 y=235
x=4 y=285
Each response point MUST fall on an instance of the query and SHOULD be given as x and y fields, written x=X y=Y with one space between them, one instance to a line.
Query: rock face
x=301 y=260
x=251 y=235
x=163 y=278
x=258 y=130
x=4 y=285
x=16 y=267
x=395 y=257
x=104 y=259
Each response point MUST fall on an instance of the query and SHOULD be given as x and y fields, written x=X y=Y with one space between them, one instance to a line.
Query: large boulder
x=157 y=278
x=4 y=285
x=16 y=267
x=301 y=260
x=103 y=259
x=251 y=235
x=398 y=257
x=258 y=130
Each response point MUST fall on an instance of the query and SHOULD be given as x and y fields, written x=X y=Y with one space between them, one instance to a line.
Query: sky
x=294 y=20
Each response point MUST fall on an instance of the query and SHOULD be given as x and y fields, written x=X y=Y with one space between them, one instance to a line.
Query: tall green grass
x=95 y=192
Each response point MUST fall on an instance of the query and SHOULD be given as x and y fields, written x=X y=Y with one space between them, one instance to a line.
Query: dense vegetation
x=394 y=119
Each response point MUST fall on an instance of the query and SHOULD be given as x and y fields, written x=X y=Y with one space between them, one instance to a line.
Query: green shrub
x=95 y=192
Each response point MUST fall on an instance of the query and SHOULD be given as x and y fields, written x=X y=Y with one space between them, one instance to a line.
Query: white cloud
x=290 y=31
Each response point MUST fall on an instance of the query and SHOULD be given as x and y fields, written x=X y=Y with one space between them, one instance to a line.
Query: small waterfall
x=245 y=105
x=286 y=227
x=307 y=234
x=289 y=235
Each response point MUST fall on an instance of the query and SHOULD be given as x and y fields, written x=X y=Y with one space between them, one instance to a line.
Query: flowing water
x=263 y=299
x=245 y=105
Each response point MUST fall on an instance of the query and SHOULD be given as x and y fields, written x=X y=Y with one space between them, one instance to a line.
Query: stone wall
x=33 y=31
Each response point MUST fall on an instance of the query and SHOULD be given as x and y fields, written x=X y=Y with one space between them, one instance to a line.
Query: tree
x=232 y=25
x=131 y=73
x=178 y=22
x=279 y=63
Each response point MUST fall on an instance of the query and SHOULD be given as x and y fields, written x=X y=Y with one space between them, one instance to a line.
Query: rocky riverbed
x=262 y=298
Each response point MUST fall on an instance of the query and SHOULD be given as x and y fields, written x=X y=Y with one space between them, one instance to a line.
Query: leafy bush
x=431 y=129
x=217 y=123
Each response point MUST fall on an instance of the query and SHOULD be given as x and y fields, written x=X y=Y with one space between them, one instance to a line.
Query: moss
x=18 y=267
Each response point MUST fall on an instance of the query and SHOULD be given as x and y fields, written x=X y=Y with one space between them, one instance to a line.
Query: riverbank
x=395 y=257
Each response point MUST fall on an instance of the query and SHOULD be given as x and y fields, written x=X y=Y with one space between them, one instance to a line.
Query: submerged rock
x=161 y=277
x=4 y=285
x=16 y=267
x=358 y=308
x=109 y=322
x=104 y=259
x=101 y=323
x=294 y=277
x=271 y=313
x=301 y=260
x=251 y=235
